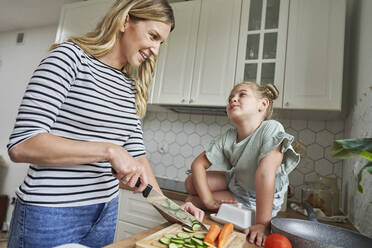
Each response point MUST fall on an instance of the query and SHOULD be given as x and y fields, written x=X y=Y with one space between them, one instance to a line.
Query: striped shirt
x=75 y=96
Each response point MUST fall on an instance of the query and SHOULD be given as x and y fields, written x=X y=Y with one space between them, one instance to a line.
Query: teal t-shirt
x=243 y=158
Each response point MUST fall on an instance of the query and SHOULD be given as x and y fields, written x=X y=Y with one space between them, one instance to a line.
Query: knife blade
x=168 y=206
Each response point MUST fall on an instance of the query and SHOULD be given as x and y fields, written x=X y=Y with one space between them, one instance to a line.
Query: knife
x=169 y=207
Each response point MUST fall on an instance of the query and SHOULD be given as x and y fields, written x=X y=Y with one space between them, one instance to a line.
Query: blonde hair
x=268 y=91
x=102 y=39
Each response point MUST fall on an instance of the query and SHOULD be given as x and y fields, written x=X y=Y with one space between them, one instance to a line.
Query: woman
x=79 y=118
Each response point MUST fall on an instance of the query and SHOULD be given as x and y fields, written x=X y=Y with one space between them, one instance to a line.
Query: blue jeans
x=37 y=226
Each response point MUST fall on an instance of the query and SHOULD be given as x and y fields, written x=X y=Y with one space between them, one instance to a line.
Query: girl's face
x=141 y=39
x=243 y=103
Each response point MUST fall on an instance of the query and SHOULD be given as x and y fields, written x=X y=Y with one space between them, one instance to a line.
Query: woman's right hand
x=127 y=168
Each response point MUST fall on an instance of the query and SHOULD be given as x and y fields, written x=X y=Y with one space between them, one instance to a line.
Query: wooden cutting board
x=236 y=239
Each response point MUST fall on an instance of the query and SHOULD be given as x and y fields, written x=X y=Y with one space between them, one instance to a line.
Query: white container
x=242 y=217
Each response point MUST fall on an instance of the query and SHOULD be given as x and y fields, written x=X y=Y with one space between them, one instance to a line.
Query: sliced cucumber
x=189 y=246
x=196 y=227
x=188 y=241
x=177 y=241
x=183 y=235
x=180 y=214
x=199 y=236
x=169 y=236
x=186 y=229
x=197 y=241
x=209 y=245
x=172 y=245
x=165 y=241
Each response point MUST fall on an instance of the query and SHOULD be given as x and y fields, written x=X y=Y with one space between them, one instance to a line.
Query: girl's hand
x=257 y=234
x=128 y=169
x=215 y=204
x=198 y=213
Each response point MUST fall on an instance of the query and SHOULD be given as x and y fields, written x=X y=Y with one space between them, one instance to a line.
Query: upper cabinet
x=197 y=64
x=262 y=43
x=80 y=18
x=315 y=48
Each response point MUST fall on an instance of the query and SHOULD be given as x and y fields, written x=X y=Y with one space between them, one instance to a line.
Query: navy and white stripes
x=75 y=96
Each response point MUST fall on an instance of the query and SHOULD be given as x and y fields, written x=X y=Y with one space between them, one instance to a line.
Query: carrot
x=212 y=234
x=227 y=229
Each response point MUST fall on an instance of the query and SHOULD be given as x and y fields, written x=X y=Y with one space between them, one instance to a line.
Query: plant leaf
x=347 y=148
x=368 y=168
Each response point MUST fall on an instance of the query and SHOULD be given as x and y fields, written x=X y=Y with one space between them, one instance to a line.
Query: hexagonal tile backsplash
x=173 y=141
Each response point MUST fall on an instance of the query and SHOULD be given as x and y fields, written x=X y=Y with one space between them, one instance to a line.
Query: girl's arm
x=265 y=187
x=199 y=178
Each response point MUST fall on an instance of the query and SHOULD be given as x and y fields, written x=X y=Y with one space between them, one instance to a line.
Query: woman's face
x=141 y=39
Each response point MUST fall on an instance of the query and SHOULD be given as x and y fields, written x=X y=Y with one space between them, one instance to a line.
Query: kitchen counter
x=131 y=241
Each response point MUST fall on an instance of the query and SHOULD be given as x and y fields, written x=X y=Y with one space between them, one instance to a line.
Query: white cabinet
x=262 y=43
x=315 y=47
x=197 y=64
x=80 y=18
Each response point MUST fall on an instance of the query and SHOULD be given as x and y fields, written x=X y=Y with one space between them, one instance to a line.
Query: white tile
x=316 y=126
x=148 y=135
x=177 y=127
x=324 y=138
x=286 y=123
x=214 y=130
x=323 y=167
x=222 y=120
x=201 y=128
x=151 y=146
x=189 y=127
x=292 y=132
x=209 y=119
x=161 y=116
x=306 y=136
x=170 y=137
x=186 y=150
x=172 y=116
x=335 y=126
x=159 y=171
x=181 y=174
x=179 y=161
x=194 y=139
x=305 y=166
x=174 y=149
x=197 y=150
x=154 y=125
x=338 y=169
x=155 y=158
x=226 y=127
x=183 y=117
x=296 y=178
x=181 y=139
x=315 y=151
x=312 y=177
x=167 y=160
x=196 y=118
x=166 y=125
x=341 y=135
x=327 y=155
x=206 y=139
x=298 y=125
x=172 y=172
x=159 y=136
x=150 y=116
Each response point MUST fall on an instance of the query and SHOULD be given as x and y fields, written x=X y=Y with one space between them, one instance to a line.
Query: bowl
x=239 y=215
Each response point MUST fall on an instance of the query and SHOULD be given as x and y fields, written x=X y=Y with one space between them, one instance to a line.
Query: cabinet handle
x=191 y=101
x=286 y=104
x=183 y=101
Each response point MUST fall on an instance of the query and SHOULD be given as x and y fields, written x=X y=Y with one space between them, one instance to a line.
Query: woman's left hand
x=198 y=213
x=257 y=234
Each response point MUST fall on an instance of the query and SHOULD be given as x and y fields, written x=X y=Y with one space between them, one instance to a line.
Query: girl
x=260 y=154
x=80 y=117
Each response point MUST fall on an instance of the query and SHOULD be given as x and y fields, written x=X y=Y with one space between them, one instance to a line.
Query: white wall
x=17 y=63
x=359 y=121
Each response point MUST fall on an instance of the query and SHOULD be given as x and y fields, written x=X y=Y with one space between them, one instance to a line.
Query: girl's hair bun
x=271 y=92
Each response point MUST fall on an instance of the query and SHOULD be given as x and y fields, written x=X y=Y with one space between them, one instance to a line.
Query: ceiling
x=24 y=14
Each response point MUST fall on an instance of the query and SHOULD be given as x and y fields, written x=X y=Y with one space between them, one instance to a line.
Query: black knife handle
x=145 y=192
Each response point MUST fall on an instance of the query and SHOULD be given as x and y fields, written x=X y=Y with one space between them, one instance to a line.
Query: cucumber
x=180 y=214
x=177 y=241
x=199 y=236
x=189 y=246
x=197 y=241
x=196 y=227
x=169 y=236
x=183 y=235
x=209 y=245
x=165 y=241
x=186 y=229
x=172 y=245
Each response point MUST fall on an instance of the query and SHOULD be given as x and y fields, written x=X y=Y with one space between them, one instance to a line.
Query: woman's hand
x=127 y=168
x=198 y=213
x=257 y=234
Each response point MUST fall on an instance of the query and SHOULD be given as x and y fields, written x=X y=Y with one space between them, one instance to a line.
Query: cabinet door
x=214 y=71
x=262 y=43
x=82 y=17
x=172 y=82
x=315 y=48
